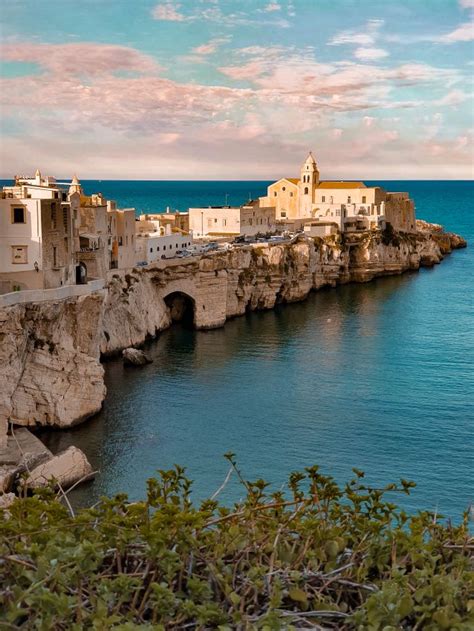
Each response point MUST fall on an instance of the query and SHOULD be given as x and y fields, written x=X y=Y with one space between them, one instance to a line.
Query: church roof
x=329 y=184
x=293 y=180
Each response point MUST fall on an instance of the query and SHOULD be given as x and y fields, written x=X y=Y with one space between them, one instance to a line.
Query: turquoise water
x=377 y=376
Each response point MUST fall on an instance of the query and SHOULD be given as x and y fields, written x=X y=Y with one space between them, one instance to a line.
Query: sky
x=237 y=89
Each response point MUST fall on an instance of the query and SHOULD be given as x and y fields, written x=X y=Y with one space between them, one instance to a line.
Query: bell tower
x=75 y=186
x=309 y=181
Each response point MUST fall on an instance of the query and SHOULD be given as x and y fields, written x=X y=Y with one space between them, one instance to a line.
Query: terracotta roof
x=329 y=184
x=293 y=180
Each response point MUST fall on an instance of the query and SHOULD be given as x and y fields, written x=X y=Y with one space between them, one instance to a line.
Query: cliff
x=50 y=351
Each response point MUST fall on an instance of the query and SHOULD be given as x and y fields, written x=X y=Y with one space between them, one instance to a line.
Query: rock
x=66 y=468
x=7 y=475
x=135 y=357
x=50 y=367
x=6 y=500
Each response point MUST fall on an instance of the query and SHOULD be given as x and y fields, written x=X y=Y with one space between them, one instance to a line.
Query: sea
x=378 y=376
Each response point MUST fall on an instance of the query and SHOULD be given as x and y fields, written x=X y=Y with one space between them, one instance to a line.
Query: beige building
x=106 y=234
x=121 y=237
x=351 y=205
x=231 y=221
x=36 y=235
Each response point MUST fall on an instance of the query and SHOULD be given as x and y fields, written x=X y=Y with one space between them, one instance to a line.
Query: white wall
x=152 y=248
x=28 y=234
x=211 y=221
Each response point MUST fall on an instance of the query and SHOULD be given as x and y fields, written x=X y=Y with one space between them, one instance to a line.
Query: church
x=349 y=205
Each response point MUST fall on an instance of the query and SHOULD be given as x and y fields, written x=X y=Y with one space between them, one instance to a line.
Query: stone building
x=121 y=236
x=231 y=221
x=106 y=234
x=37 y=244
x=351 y=205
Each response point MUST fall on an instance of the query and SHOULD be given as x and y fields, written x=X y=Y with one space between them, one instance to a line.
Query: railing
x=58 y=293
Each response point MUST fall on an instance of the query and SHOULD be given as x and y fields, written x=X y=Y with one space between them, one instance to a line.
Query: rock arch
x=182 y=307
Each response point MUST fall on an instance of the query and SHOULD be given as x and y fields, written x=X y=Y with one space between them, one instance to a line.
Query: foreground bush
x=320 y=558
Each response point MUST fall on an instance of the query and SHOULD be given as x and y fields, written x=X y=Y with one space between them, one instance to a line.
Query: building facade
x=231 y=221
x=351 y=205
x=36 y=235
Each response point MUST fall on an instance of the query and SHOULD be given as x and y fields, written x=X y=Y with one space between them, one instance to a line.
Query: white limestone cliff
x=50 y=351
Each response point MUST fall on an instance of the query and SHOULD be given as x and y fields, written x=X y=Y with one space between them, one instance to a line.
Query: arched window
x=306 y=190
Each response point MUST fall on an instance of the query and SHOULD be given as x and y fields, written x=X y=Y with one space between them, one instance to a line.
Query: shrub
x=319 y=557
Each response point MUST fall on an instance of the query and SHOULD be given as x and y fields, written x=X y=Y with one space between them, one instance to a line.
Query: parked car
x=210 y=247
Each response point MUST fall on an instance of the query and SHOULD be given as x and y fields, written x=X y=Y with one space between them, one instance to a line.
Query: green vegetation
x=318 y=557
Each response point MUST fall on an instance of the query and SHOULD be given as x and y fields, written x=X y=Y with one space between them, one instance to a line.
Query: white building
x=231 y=221
x=36 y=235
x=153 y=246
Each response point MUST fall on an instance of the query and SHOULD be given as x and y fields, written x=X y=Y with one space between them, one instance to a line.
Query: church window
x=291 y=194
x=283 y=188
x=275 y=194
x=306 y=190
x=364 y=199
x=323 y=198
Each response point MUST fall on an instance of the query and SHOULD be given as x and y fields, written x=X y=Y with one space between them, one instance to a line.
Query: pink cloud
x=85 y=58
x=168 y=11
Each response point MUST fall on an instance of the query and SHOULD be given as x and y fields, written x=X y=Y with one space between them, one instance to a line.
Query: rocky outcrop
x=135 y=357
x=65 y=469
x=49 y=361
x=50 y=351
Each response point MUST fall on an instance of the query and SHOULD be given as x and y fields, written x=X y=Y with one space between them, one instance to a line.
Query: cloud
x=211 y=46
x=464 y=33
x=168 y=12
x=452 y=98
x=272 y=6
x=110 y=103
x=370 y=54
x=77 y=59
x=366 y=36
x=466 y=4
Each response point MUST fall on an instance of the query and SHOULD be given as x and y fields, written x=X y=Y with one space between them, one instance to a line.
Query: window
x=215 y=220
x=349 y=199
x=291 y=194
x=151 y=249
x=283 y=213
x=158 y=249
x=65 y=217
x=19 y=254
x=53 y=216
x=275 y=194
x=364 y=199
x=225 y=222
x=120 y=240
x=164 y=247
x=18 y=215
x=55 y=256
x=323 y=198
x=338 y=212
x=283 y=188
x=306 y=190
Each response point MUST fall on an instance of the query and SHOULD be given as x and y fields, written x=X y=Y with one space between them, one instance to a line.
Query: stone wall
x=50 y=351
